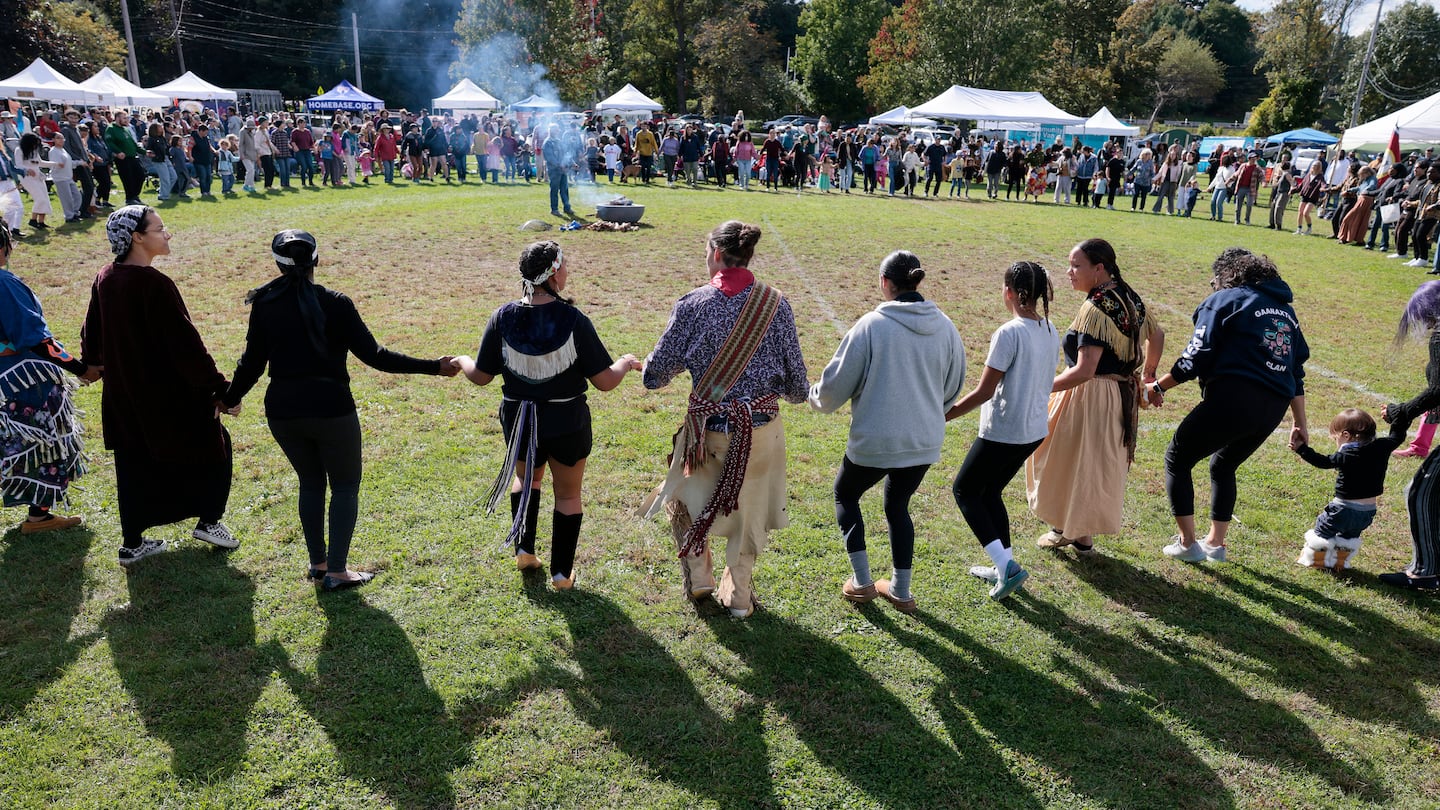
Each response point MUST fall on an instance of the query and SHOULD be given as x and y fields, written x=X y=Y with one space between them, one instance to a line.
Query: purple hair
x=1422 y=313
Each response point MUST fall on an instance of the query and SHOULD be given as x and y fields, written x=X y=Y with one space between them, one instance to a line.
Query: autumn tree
x=1303 y=54
x=75 y=37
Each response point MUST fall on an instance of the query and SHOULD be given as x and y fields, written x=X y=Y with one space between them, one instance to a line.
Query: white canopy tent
x=629 y=100
x=465 y=95
x=902 y=116
x=975 y=104
x=1103 y=123
x=40 y=82
x=1418 y=125
x=189 y=85
x=121 y=91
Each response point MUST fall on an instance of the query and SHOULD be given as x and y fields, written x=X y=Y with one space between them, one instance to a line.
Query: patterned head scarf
x=121 y=226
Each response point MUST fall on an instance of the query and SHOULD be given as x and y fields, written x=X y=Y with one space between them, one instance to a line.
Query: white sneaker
x=985 y=572
x=1396 y=256
x=215 y=534
x=1213 y=553
x=130 y=556
x=1190 y=553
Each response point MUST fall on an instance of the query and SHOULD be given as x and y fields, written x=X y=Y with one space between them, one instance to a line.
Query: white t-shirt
x=1338 y=170
x=612 y=156
x=1028 y=352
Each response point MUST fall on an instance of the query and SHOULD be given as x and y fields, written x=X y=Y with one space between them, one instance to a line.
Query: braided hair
x=535 y=260
x=1031 y=284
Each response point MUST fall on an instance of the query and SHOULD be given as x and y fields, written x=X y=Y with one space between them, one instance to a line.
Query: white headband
x=531 y=286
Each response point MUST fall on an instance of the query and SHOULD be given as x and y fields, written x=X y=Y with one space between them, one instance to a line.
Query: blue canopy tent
x=344 y=96
x=534 y=104
x=1303 y=135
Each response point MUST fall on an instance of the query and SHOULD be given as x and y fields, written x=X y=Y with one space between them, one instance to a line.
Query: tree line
x=1293 y=65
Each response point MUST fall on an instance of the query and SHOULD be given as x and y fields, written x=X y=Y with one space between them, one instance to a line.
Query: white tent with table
x=40 y=82
x=986 y=106
x=188 y=85
x=629 y=100
x=1103 y=123
x=464 y=97
x=1418 y=125
x=902 y=116
x=121 y=91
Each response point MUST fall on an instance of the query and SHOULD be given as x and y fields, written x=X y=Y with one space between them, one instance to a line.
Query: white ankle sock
x=999 y=554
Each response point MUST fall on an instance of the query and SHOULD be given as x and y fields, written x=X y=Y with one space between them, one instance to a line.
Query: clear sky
x=1362 y=20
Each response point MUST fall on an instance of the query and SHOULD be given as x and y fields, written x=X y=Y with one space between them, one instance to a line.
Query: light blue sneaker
x=1014 y=577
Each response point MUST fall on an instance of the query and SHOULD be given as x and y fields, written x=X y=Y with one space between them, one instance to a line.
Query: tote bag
x=1390 y=213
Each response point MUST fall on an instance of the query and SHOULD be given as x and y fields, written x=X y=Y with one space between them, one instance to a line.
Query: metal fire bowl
x=620 y=213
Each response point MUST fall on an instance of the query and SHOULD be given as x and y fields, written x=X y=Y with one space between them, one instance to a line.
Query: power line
x=439 y=32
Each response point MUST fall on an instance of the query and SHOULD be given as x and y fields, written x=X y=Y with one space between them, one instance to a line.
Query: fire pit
x=620 y=210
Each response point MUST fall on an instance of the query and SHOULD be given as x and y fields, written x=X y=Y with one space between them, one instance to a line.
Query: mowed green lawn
x=1123 y=680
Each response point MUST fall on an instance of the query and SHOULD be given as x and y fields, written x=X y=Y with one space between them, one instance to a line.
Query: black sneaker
x=130 y=556
x=215 y=534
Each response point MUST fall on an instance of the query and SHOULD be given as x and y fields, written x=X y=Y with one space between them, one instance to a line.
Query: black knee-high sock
x=564 y=538
x=532 y=517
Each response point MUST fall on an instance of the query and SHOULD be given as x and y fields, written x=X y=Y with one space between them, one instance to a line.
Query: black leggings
x=988 y=468
x=321 y=448
x=1230 y=423
x=901 y=482
x=1137 y=197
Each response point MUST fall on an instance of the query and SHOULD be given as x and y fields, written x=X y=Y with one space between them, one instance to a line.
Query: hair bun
x=916 y=275
x=749 y=235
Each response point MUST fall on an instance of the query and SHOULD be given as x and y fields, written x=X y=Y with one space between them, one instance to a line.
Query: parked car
x=782 y=121
x=1303 y=159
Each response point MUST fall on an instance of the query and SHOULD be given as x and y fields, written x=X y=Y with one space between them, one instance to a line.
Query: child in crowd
x=1036 y=184
x=612 y=158
x=957 y=175
x=1102 y=185
x=328 y=175
x=225 y=159
x=827 y=169
x=1361 y=461
x=1014 y=398
x=367 y=165
x=1189 y=196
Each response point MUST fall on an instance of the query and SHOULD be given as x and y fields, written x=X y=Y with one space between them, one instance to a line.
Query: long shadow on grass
x=389 y=727
x=638 y=694
x=43 y=592
x=857 y=727
x=1100 y=741
x=185 y=648
x=1379 y=681
x=1172 y=670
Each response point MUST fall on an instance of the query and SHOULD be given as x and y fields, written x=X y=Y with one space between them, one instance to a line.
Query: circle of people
x=1073 y=432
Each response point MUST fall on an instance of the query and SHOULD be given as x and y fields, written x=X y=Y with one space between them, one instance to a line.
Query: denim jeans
x=559 y=189
x=1244 y=198
x=306 y=159
x=204 y=172
x=1217 y=204
x=388 y=168
x=227 y=182
x=282 y=168
x=166 y=173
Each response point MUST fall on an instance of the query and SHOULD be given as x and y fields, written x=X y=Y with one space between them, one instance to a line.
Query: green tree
x=1303 y=49
x=1406 y=65
x=833 y=52
x=925 y=46
x=730 y=46
x=1292 y=103
x=1186 y=71
x=73 y=36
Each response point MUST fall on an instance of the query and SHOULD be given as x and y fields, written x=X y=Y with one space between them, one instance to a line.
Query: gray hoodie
x=902 y=366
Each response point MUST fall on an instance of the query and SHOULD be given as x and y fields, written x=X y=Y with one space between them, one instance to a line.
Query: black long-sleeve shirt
x=305 y=381
x=1361 y=466
x=1427 y=400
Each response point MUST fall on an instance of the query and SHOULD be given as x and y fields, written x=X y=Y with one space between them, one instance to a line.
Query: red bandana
x=732 y=280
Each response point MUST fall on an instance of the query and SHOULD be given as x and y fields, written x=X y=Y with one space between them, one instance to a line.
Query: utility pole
x=1365 y=67
x=179 y=49
x=355 y=38
x=129 y=44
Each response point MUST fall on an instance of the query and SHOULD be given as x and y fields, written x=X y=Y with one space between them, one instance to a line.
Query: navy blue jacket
x=1250 y=333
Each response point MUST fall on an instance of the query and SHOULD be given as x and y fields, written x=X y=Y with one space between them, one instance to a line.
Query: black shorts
x=564 y=431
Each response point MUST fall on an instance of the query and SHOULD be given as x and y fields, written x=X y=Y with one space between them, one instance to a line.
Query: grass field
x=1125 y=680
